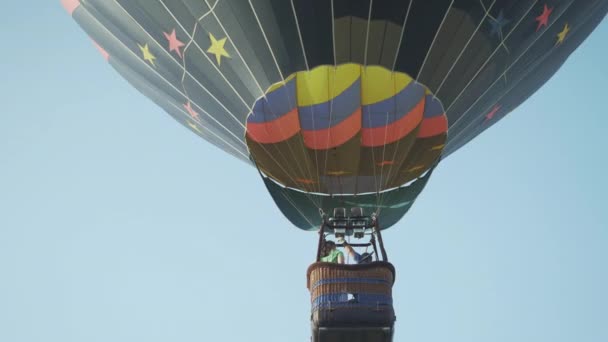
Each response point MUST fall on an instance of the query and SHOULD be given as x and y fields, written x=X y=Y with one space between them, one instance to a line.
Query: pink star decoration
x=543 y=19
x=103 y=52
x=70 y=5
x=191 y=111
x=493 y=112
x=174 y=43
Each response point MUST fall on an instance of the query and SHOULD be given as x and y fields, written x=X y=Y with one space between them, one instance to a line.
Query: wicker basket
x=351 y=295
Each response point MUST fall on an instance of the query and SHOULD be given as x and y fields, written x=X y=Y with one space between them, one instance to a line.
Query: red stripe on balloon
x=433 y=126
x=380 y=136
x=70 y=5
x=275 y=131
x=323 y=139
x=103 y=52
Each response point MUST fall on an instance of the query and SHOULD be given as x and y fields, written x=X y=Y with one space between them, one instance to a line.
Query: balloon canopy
x=338 y=102
x=346 y=129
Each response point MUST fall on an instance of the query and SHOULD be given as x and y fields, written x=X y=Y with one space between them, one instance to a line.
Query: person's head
x=329 y=246
x=366 y=258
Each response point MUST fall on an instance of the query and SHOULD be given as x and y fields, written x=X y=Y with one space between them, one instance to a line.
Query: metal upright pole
x=373 y=242
x=321 y=239
x=377 y=229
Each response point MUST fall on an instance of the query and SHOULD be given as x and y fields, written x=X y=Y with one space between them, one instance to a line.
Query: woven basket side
x=350 y=288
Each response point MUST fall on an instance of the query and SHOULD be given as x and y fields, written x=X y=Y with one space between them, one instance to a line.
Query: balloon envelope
x=342 y=102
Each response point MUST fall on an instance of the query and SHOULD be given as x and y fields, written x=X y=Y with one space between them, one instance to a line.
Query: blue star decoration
x=498 y=23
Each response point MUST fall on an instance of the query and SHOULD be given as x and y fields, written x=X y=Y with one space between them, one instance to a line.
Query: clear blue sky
x=117 y=224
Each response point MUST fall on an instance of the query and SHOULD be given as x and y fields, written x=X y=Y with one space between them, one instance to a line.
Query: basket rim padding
x=344 y=267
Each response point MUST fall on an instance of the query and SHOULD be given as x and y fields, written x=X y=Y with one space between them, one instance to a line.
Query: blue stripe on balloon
x=276 y=104
x=432 y=107
x=331 y=113
x=386 y=112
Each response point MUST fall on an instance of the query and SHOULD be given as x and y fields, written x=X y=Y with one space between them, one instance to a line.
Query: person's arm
x=351 y=252
x=349 y=249
x=340 y=258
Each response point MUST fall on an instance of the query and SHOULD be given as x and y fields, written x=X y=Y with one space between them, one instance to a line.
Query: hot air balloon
x=339 y=103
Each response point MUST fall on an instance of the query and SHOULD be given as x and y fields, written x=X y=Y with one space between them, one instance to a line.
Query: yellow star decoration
x=148 y=56
x=194 y=127
x=217 y=48
x=562 y=35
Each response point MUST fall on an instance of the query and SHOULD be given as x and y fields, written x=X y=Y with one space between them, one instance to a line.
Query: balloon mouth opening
x=346 y=129
x=381 y=192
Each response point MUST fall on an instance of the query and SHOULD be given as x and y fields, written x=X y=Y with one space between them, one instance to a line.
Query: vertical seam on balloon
x=378 y=198
x=465 y=47
x=383 y=45
x=413 y=144
x=510 y=66
x=295 y=15
x=274 y=58
x=362 y=116
x=490 y=57
x=391 y=167
x=337 y=158
x=407 y=14
x=314 y=126
x=373 y=155
x=331 y=102
x=333 y=32
x=350 y=38
x=369 y=20
x=335 y=68
x=428 y=53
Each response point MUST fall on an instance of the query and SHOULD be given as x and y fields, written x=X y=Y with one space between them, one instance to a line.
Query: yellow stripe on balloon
x=378 y=84
x=279 y=84
x=324 y=83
